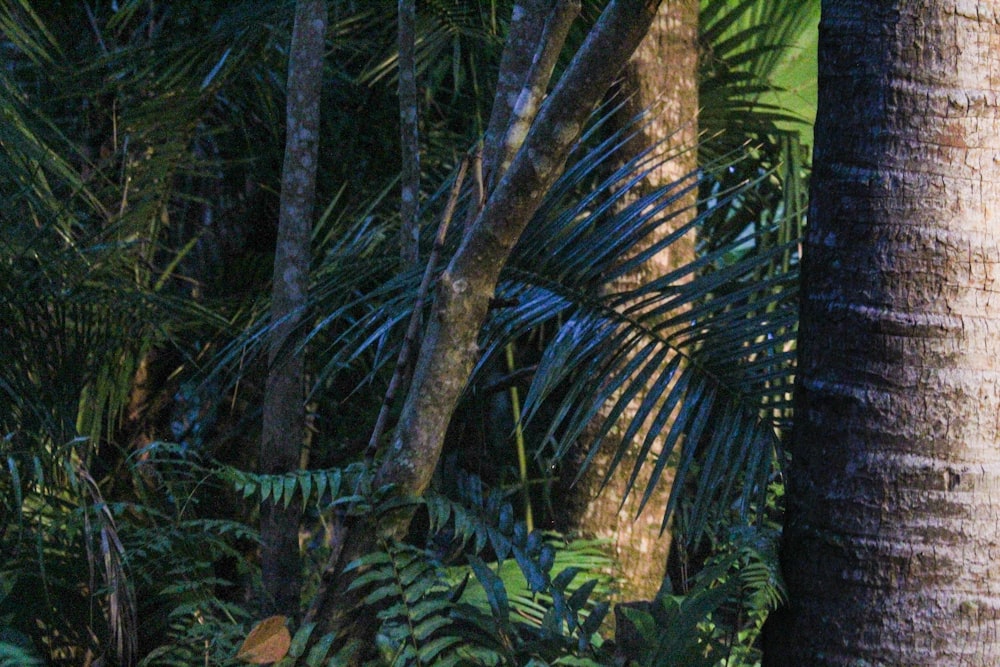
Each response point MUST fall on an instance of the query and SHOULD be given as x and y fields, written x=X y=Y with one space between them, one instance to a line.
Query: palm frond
x=757 y=91
x=445 y=30
x=713 y=340
x=740 y=585
x=710 y=342
x=758 y=65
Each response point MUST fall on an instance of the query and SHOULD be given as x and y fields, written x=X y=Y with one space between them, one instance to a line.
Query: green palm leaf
x=711 y=340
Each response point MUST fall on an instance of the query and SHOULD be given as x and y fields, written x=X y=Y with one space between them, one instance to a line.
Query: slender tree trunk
x=468 y=284
x=449 y=348
x=284 y=398
x=893 y=525
x=409 y=134
x=661 y=79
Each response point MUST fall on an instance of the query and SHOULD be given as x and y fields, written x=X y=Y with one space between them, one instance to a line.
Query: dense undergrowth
x=138 y=170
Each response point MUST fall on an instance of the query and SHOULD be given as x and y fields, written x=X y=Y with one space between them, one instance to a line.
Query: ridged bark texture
x=661 y=81
x=284 y=412
x=893 y=527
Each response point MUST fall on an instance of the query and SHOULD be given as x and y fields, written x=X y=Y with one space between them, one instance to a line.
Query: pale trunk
x=893 y=526
x=284 y=413
x=661 y=81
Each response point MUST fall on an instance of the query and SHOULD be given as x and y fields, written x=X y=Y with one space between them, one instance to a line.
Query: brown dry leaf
x=267 y=642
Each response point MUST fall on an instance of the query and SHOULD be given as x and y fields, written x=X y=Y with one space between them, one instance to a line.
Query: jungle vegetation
x=141 y=169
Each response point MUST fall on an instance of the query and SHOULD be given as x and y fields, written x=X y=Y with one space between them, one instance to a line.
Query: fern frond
x=415 y=607
x=479 y=516
x=320 y=487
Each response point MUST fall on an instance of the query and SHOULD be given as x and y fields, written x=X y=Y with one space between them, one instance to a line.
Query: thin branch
x=403 y=369
x=409 y=234
x=478 y=189
x=510 y=380
x=526 y=25
x=535 y=86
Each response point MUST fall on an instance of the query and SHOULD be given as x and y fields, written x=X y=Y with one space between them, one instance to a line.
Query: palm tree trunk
x=893 y=523
x=661 y=81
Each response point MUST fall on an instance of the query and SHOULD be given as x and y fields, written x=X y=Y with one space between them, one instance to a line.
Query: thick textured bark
x=449 y=348
x=893 y=498
x=660 y=80
x=284 y=399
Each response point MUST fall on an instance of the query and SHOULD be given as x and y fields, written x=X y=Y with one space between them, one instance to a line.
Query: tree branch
x=401 y=373
x=463 y=294
x=527 y=22
x=409 y=205
x=535 y=85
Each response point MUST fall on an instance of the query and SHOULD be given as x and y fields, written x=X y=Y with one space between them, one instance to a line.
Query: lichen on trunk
x=284 y=412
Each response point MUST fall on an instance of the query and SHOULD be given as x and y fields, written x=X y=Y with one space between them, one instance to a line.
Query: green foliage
x=65 y=581
x=758 y=66
x=531 y=601
x=696 y=629
x=757 y=93
x=662 y=336
x=137 y=171
x=512 y=597
x=309 y=652
x=527 y=604
x=413 y=607
x=321 y=487
x=17 y=655
x=120 y=577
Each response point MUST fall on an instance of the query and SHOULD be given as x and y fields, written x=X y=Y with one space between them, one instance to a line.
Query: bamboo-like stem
x=522 y=454
x=403 y=370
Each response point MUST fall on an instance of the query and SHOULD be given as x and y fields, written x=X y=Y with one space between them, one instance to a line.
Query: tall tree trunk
x=449 y=347
x=661 y=79
x=284 y=398
x=893 y=522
